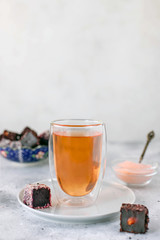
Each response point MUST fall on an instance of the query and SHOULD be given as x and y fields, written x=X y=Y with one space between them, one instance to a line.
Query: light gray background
x=81 y=59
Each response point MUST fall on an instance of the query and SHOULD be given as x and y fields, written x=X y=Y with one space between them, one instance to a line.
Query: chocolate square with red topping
x=133 y=218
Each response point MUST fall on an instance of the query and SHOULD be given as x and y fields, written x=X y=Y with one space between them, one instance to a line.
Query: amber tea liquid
x=77 y=162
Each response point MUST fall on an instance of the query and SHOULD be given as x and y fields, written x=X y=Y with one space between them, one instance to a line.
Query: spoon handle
x=149 y=138
x=142 y=155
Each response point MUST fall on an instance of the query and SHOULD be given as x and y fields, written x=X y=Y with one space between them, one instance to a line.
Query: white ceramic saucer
x=105 y=208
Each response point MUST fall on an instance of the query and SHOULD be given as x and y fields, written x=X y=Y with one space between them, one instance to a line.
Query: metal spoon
x=149 y=138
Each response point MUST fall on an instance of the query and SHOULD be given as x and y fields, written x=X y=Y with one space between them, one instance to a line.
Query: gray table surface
x=18 y=223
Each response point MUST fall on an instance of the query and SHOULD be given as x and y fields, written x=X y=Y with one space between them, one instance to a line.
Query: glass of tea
x=77 y=158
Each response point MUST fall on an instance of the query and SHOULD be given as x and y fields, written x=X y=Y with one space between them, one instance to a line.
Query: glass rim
x=75 y=122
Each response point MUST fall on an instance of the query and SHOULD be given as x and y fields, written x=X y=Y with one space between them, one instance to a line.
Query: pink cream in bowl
x=134 y=173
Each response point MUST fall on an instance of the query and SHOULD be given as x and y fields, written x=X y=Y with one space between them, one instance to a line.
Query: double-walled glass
x=77 y=157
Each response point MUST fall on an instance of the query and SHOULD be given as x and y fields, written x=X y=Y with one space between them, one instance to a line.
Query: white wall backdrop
x=81 y=59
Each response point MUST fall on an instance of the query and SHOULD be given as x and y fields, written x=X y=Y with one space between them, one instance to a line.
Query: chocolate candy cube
x=11 y=135
x=37 y=196
x=43 y=138
x=29 y=140
x=134 y=218
x=29 y=137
